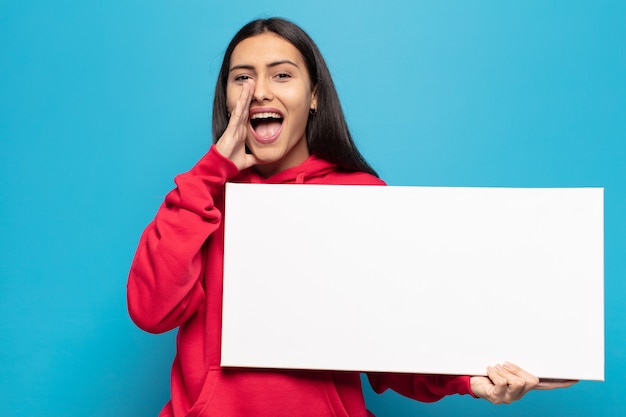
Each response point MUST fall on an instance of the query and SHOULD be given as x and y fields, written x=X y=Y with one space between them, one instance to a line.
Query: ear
x=313 y=106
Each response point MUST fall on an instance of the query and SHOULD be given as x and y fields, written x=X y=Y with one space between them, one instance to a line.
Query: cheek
x=299 y=100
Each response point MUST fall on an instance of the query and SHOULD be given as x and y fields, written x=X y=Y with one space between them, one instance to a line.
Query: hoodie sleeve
x=165 y=281
x=425 y=388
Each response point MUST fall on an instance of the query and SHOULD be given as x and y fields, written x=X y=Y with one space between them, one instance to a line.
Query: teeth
x=266 y=115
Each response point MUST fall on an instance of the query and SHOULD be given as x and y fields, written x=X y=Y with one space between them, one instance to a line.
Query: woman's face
x=282 y=98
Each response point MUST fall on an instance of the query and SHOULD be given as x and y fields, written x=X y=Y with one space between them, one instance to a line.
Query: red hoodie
x=176 y=281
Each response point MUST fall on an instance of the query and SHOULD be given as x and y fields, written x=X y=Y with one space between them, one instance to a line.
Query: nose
x=262 y=91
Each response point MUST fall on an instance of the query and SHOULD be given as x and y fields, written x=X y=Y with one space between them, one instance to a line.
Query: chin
x=266 y=154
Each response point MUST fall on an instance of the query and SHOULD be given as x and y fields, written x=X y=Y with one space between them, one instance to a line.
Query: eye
x=242 y=77
x=283 y=75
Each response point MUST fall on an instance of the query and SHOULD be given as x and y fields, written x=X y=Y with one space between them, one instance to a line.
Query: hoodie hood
x=311 y=169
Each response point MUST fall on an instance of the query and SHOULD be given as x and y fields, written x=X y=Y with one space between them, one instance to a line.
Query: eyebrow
x=270 y=65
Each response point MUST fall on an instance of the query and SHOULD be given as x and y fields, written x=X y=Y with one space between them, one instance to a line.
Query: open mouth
x=266 y=125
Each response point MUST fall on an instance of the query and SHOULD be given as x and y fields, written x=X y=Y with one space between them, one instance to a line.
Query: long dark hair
x=327 y=132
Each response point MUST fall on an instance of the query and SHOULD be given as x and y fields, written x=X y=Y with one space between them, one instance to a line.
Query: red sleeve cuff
x=462 y=385
x=214 y=164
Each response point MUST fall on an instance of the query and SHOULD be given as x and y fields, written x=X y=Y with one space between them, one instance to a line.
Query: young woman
x=276 y=119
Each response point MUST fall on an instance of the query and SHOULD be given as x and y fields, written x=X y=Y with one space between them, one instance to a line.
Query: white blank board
x=437 y=280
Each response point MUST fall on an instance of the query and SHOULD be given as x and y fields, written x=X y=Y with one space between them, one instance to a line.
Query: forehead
x=264 y=49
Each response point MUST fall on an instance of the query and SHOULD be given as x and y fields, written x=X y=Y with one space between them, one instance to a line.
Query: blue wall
x=103 y=102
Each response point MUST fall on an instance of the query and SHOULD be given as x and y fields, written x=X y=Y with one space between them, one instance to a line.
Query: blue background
x=103 y=102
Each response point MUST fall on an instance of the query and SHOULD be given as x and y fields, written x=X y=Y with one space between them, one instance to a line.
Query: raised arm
x=165 y=283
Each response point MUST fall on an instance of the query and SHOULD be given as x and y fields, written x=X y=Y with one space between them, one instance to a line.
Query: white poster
x=437 y=280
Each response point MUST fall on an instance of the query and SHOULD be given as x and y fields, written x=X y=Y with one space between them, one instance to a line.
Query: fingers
x=499 y=382
x=239 y=114
x=507 y=386
x=232 y=143
x=529 y=380
x=507 y=383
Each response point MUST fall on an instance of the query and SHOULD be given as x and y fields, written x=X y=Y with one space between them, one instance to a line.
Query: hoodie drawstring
x=300 y=178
